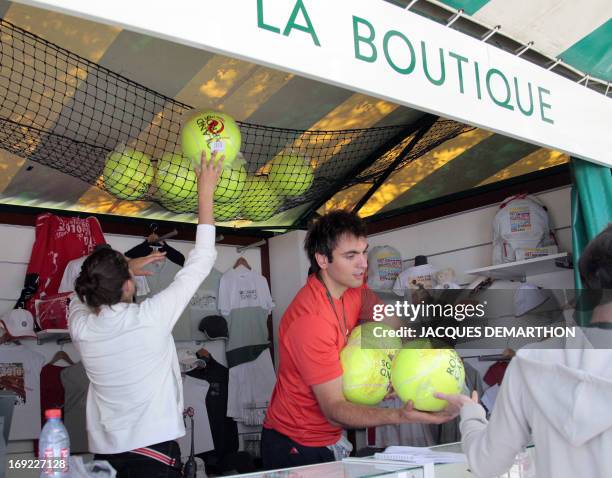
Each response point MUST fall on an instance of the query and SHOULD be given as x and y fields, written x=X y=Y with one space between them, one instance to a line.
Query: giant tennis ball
x=174 y=178
x=186 y=206
x=227 y=211
x=231 y=184
x=209 y=131
x=365 y=377
x=259 y=199
x=418 y=373
x=371 y=335
x=128 y=173
x=290 y=174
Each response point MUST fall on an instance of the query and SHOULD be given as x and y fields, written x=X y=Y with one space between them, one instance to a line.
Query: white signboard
x=377 y=48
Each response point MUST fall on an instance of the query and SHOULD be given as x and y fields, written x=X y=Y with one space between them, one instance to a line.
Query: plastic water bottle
x=54 y=446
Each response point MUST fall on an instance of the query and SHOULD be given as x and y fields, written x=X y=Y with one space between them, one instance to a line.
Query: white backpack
x=522 y=230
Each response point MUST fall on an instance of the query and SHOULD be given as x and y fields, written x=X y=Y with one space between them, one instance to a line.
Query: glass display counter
x=341 y=469
x=369 y=467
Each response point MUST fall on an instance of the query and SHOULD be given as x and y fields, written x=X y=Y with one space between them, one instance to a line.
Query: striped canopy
x=578 y=32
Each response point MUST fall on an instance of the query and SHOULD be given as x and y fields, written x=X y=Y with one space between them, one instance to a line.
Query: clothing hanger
x=241 y=261
x=155 y=240
x=61 y=355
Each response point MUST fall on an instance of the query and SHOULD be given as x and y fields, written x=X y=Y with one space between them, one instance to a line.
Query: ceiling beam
x=426 y=124
x=348 y=178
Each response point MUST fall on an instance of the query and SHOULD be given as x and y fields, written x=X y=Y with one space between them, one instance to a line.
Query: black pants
x=134 y=465
x=280 y=451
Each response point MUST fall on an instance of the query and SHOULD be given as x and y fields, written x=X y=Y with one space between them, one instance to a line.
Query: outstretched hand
x=209 y=172
x=457 y=400
x=137 y=265
x=408 y=414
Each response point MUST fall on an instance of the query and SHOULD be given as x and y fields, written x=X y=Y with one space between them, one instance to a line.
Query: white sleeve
x=165 y=307
x=224 y=303
x=77 y=314
x=264 y=292
x=70 y=275
x=491 y=448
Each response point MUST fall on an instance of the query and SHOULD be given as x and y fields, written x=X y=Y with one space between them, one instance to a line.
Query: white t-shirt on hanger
x=242 y=287
x=194 y=396
x=20 y=372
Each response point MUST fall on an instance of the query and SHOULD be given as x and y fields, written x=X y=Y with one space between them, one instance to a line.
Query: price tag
x=217 y=146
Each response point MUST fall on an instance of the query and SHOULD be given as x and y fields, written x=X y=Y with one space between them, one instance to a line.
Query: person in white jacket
x=134 y=401
x=559 y=398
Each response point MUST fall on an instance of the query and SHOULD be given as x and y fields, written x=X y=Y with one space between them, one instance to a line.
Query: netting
x=66 y=112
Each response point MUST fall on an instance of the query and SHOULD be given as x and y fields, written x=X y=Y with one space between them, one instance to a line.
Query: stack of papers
x=419 y=455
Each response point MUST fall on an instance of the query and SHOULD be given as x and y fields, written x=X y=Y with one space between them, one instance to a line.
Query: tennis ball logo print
x=128 y=173
x=416 y=374
x=455 y=368
x=209 y=131
x=213 y=126
x=366 y=374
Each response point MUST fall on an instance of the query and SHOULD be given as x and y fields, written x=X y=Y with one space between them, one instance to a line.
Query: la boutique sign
x=380 y=49
x=433 y=65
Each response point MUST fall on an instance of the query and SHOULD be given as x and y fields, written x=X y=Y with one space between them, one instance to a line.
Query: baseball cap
x=214 y=327
x=18 y=323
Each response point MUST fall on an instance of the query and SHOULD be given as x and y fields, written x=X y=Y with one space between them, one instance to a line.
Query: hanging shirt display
x=76 y=384
x=58 y=240
x=242 y=287
x=249 y=384
x=163 y=274
x=51 y=389
x=245 y=301
x=194 y=396
x=204 y=303
x=223 y=428
x=20 y=373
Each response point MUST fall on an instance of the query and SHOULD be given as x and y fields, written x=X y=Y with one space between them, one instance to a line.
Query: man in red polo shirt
x=308 y=410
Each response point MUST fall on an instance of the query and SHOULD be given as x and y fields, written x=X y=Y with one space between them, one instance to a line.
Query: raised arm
x=167 y=306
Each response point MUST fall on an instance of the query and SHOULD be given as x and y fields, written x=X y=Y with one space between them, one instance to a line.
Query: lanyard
x=333 y=306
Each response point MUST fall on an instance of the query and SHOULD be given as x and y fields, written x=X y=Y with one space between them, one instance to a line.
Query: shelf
x=59 y=335
x=521 y=269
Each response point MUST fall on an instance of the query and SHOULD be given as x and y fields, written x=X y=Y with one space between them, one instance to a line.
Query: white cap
x=19 y=323
x=527 y=297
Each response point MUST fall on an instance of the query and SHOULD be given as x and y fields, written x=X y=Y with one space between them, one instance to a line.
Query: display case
x=370 y=467
x=349 y=469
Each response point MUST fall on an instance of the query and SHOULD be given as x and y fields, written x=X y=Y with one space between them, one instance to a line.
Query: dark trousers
x=280 y=451
x=133 y=465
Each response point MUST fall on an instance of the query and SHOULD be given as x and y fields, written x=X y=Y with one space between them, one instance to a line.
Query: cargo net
x=66 y=112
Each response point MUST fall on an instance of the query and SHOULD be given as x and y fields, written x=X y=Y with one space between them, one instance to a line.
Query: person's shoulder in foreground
x=558 y=397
